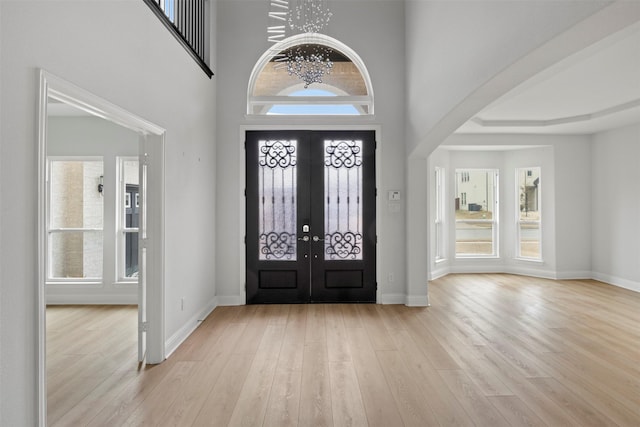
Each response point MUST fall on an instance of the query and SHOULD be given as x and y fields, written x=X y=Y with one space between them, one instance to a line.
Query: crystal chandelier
x=309 y=62
x=309 y=16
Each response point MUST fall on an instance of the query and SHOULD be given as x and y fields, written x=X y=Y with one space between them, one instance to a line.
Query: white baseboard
x=417 y=301
x=532 y=272
x=573 y=275
x=391 y=299
x=439 y=272
x=183 y=333
x=471 y=269
x=617 y=281
x=545 y=274
x=226 y=300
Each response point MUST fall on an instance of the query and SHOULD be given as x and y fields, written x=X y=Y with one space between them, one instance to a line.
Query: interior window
x=476 y=207
x=528 y=213
x=76 y=219
x=128 y=220
x=439 y=214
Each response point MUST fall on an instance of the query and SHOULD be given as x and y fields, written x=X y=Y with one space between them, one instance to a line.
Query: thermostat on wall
x=394 y=195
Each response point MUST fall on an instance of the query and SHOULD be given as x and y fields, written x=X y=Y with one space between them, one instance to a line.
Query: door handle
x=317 y=239
x=304 y=238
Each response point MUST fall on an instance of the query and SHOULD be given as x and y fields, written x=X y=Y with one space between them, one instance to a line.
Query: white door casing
x=152 y=145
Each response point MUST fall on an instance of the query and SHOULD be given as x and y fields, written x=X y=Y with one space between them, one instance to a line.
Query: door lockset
x=305 y=228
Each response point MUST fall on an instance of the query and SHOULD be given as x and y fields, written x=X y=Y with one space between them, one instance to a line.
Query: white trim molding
x=417 y=301
x=616 y=281
x=231 y=300
x=391 y=299
x=187 y=329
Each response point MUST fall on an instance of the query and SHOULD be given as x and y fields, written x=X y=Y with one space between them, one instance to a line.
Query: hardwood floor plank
x=94 y=402
x=584 y=413
x=375 y=327
x=350 y=316
x=337 y=351
x=194 y=392
x=257 y=321
x=315 y=395
x=347 y=407
x=316 y=327
x=153 y=410
x=219 y=405
x=391 y=316
x=404 y=389
x=545 y=407
x=516 y=412
x=493 y=349
x=381 y=411
x=466 y=356
x=119 y=409
x=421 y=332
x=251 y=406
x=601 y=396
x=200 y=342
x=284 y=399
x=475 y=404
x=278 y=314
x=443 y=403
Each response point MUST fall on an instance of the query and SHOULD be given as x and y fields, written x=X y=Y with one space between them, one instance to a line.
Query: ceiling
x=591 y=91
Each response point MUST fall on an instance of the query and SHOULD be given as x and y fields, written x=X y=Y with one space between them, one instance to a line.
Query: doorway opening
x=311 y=216
x=80 y=226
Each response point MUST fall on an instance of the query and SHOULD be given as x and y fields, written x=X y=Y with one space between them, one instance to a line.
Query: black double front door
x=310 y=202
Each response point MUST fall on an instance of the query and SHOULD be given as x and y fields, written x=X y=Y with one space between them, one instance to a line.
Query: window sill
x=63 y=282
x=125 y=283
x=477 y=257
x=535 y=260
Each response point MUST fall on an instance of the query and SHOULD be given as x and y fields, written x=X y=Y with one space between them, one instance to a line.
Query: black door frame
x=336 y=268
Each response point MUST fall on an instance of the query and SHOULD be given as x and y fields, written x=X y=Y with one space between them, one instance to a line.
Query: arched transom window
x=345 y=88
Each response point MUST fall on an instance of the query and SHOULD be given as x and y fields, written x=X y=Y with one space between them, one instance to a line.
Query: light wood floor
x=492 y=350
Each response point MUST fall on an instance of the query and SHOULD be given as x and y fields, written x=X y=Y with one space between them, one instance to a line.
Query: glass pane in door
x=343 y=196
x=277 y=186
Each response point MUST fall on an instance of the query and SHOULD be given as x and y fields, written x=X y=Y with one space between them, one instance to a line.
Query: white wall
x=572 y=158
x=566 y=228
x=615 y=207
x=121 y=52
x=93 y=136
x=374 y=29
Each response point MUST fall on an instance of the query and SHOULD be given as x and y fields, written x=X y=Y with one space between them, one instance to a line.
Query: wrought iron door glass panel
x=343 y=195
x=277 y=184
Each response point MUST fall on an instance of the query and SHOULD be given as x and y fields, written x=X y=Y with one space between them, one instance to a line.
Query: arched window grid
x=261 y=105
